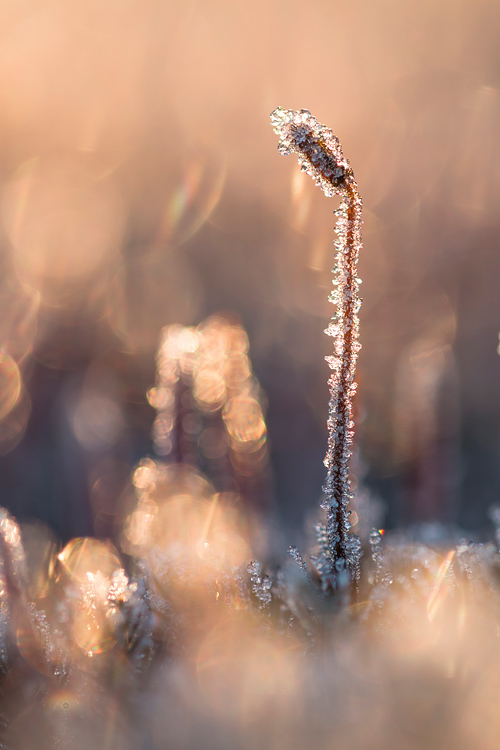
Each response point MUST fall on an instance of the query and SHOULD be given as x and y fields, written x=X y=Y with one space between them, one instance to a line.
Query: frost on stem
x=320 y=155
x=261 y=584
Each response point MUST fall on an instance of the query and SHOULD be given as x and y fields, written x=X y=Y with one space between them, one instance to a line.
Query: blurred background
x=140 y=187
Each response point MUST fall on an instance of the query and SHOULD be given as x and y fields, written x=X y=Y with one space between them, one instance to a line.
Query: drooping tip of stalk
x=319 y=151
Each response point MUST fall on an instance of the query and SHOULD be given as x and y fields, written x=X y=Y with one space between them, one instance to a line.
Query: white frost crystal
x=319 y=151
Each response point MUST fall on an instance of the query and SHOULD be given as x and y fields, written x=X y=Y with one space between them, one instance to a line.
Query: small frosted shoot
x=320 y=155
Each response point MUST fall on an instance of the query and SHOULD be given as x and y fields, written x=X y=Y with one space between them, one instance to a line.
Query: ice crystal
x=319 y=151
x=377 y=554
x=321 y=156
x=322 y=560
x=294 y=552
x=261 y=584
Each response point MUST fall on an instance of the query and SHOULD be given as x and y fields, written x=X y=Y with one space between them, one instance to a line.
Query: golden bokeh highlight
x=200 y=530
x=140 y=527
x=92 y=629
x=91 y=568
x=181 y=524
x=41 y=549
x=209 y=389
x=85 y=556
x=210 y=362
x=244 y=421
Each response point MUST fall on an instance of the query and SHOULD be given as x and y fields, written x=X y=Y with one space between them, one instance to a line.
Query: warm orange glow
x=41 y=548
x=209 y=389
x=140 y=527
x=179 y=518
x=243 y=419
x=160 y=398
x=92 y=628
x=211 y=363
x=144 y=476
x=196 y=529
x=93 y=567
x=86 y=557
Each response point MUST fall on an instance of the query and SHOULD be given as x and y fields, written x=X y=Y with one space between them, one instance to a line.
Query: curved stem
x=320 y=155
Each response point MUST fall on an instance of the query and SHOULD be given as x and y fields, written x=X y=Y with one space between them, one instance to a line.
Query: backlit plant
x=320 y=155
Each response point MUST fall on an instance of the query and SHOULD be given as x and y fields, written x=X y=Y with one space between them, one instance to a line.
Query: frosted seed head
x=320 y=153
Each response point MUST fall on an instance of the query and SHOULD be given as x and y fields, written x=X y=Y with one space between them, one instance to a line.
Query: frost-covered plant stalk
x=320 y=155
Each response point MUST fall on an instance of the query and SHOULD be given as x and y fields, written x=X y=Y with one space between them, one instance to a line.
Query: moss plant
x=320 y=155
